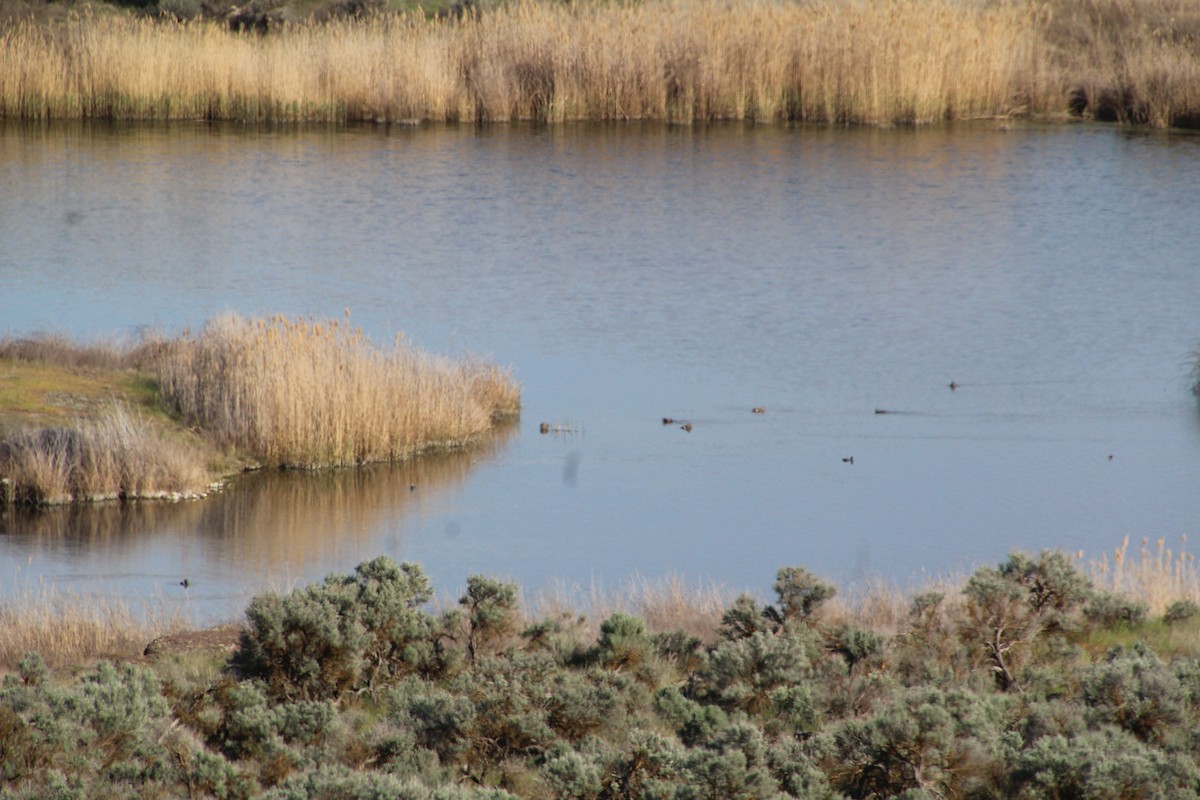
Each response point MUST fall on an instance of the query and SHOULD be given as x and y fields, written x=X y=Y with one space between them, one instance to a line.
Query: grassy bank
x=166 y=417
x=876 y=62
x=1025 y=680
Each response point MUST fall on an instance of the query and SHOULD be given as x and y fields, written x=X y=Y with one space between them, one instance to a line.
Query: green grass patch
x=35 y=393
x=1170 y=641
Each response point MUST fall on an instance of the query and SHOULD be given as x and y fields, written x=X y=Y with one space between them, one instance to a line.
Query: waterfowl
x=953 y=386
x=758 y=410
x=848 y=460
x=687 y=426
x=544 y=427
x=668 y=421
x=185 y=583
x=882 y=411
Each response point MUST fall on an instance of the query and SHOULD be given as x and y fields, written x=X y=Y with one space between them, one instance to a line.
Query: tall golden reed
x=879 y=61
x=1157 y=576
x=317 y=393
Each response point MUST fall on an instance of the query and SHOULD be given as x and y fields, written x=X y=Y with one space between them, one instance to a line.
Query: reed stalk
x=1156 y=575
x=840 y=61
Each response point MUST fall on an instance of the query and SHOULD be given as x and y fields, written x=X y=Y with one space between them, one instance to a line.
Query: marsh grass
x=70 y=629
x=118 y=455
x=666 y=604
x=304 y=393
x=60 y=350
x=876 y=62
x=164 y=417
x=1134 y=61
x=1156 y=575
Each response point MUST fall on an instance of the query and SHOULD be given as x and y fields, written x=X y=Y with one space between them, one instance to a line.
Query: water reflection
x=305 y=519
x=287 y=526
x=102 y=528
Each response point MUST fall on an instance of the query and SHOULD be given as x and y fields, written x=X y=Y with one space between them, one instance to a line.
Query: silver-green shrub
x=350 y=632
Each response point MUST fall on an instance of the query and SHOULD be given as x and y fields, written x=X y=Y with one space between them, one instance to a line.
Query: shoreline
x=174 y=419
x=359 y=687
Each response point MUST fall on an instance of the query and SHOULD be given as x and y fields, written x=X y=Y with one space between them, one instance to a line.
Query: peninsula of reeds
x=167 y=417
x=833 y=61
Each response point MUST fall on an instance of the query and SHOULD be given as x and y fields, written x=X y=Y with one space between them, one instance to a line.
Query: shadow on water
x=262 y=528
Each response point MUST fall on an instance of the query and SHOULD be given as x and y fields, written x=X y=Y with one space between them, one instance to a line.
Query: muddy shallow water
x=630 y=273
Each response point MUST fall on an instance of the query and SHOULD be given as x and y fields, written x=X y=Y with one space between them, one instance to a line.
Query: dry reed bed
x=281 y=392
x=1132 y=61
x=878 y=61
x=1157 y=576
x=118 y=455
x=884 y=61
x=303 y=393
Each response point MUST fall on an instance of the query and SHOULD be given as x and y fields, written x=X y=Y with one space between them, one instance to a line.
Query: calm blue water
x=627 y=273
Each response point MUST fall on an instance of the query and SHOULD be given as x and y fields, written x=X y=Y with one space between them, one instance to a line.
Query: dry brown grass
x=665 y=604
x=877 y=61
x=1156 y=574
x=120 y=454
x=70 y=629
x=1129 y=60
x=59 y=349
x=318 y=393
x=881 y=61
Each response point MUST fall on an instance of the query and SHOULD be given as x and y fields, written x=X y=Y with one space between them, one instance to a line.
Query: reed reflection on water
x=283 y=524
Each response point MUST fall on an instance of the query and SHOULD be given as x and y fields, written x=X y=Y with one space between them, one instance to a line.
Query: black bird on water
x=185 y=583
x=848 y=460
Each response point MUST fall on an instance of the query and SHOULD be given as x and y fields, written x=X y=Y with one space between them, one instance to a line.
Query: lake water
x=633 y=272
